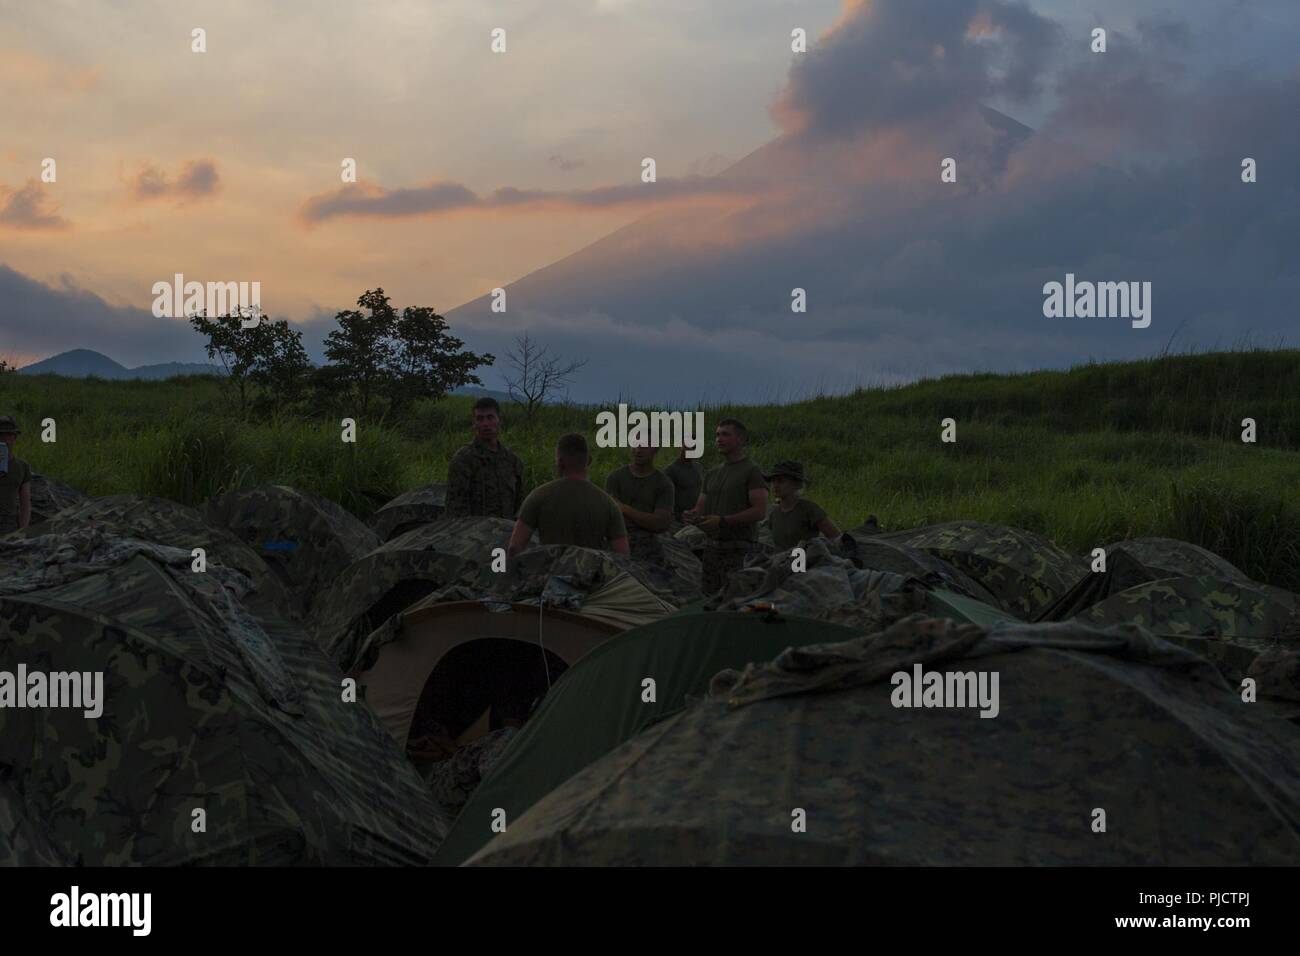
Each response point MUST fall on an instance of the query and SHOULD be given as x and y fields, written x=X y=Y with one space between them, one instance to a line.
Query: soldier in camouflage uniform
x=732 y=503
x=15 y=481
x=485 y=477
x=645 y=496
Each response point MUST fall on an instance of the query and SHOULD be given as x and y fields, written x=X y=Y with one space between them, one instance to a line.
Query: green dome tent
x=600 y=703
x=1108 y=747
x=306 y=539
x=202 y=709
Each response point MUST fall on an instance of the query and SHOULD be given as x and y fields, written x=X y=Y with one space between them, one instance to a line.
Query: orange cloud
x=22 y=72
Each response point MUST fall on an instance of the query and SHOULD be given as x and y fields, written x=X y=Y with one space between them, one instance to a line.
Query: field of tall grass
x=1086 y=456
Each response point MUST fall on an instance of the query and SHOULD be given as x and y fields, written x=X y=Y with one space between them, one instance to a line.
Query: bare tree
x=536 y=373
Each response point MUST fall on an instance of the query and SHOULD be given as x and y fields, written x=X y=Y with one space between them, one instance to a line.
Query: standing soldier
x=485 y=477
x=795 y=518
x=645 y=497
x=15 y=481
x=570 y=509
x=687 y=476
x=732 y=503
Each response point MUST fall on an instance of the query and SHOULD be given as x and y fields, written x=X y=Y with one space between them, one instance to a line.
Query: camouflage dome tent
x=1025 y=571
x=451 y=560
x=165 y=522
x=396 y=575
x=1130 y=563
x=202 y=708
x=50 y=496
x=598 y=705
x=304 y=538
x=1229 y=623
x=422 y=505
x=1186 y=773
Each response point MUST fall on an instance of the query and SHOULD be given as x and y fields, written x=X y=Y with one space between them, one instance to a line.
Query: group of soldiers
x=640 y=503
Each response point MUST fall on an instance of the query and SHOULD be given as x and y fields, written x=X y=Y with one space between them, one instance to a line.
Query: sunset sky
x=478 y=168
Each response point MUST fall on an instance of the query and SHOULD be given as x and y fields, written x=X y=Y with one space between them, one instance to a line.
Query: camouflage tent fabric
x=1123 y=571
x=556 y=576
x=451 y=560
x=453 y=780
x=50 y=496
x=1171 y=558
x=164 y=522
x=306 y=539
x=868 y=550
x=395 y=575
x=1228 y=622
x=410 y=509
x=829 y=589
x=201 y=710
x=820 y=764
x=1024 y=570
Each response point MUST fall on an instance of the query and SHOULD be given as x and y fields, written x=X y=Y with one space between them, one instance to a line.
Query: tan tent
x=458 y=669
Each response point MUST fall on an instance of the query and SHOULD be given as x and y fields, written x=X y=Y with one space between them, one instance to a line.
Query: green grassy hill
x=1085 y=456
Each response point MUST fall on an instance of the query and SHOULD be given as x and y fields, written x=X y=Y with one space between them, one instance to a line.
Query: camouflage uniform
x=719 y=560
x=481 y=481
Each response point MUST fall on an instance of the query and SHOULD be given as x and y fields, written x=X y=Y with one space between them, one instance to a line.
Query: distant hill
x=83 y=363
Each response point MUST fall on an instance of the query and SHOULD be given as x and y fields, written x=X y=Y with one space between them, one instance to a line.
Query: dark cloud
x=27 y=208
x=197 y=178
x=365 y=199
x=900 y=63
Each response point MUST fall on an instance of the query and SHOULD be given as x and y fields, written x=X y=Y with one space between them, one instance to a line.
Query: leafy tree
x=269 y=355
x=236 y=348
x=378 y=353
x=282 y=367
x=428 y=360
x=361 y=348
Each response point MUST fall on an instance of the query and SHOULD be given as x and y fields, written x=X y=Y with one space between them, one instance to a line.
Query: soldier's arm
x=519 y=538
x=756 y=511
x=827 y=527
x=657 y=520
x=619 y=545
x=693 y=513
x=519 y=484
x=460 y=484
x=24 y=504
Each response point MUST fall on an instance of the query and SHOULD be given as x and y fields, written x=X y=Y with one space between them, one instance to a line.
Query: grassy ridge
x=1086 y=456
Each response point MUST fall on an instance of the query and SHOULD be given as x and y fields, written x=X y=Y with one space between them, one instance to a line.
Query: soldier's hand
x=711 y=523
x=691 y=516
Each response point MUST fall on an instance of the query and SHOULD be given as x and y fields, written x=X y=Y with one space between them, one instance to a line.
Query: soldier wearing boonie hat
x=15 y=480
x=794 y=518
